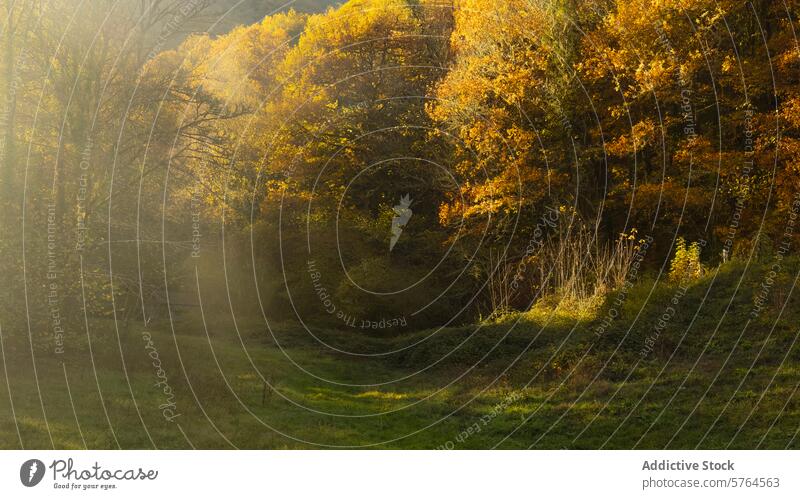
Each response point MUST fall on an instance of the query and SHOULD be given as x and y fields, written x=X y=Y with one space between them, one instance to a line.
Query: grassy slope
x=542 y=379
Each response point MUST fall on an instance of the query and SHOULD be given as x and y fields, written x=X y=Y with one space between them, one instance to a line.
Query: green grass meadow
x=715 y=377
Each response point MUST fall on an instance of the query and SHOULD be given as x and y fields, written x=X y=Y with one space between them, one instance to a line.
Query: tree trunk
x=10 y=111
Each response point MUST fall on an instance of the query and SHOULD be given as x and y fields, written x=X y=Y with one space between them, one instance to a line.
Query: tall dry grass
x=572 y=267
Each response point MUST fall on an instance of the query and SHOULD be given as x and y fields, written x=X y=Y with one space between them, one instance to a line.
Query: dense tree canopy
x=479 y=135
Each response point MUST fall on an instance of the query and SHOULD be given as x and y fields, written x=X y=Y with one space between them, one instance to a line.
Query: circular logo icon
x=31 y=472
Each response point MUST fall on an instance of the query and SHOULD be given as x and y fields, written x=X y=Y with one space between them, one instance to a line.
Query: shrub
x=685 y=265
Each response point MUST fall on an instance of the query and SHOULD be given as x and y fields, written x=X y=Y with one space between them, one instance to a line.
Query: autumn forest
x=374 y=222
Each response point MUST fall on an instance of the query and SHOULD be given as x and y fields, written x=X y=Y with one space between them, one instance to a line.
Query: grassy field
x=722 y=370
